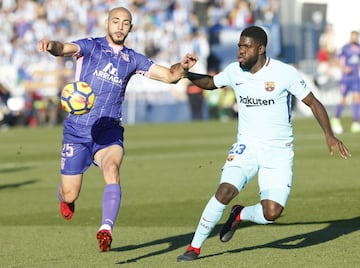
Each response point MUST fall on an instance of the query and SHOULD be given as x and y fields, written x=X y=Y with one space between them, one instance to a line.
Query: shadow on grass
x=13 y=169
x=175 y=242
x=333 y=230
x=17 y=185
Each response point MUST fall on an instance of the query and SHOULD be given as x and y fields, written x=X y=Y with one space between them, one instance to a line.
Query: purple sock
x=58 y=193
x=111 y=204
x=339 y=110
x=356 y=111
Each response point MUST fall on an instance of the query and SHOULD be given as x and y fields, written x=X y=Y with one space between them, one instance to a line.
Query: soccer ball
x=77 y=98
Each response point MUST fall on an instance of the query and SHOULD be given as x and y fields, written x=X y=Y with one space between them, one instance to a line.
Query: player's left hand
x=188 y=61
x=339 y=145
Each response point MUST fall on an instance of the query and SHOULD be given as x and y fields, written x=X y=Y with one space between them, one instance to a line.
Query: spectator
x=241 y=16
x=212 y=98
x=327 y=43
x=4 y=110
x=227 y=104
x=327 y=67
x=196 y=99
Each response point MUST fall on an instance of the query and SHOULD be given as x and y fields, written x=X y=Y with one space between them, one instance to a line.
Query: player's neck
x=116 y=48
x=259 y=64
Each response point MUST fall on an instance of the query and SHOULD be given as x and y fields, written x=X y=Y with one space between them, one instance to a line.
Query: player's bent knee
x=272 y=215
x=271 y=209
x=225 y=193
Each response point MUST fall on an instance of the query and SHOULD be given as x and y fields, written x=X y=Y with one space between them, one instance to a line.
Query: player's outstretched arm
x=322 y=117
x=57 y=48
x=203 y=81
x=175 y=72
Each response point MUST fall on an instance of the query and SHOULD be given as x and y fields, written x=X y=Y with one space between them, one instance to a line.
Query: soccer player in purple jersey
x=350 y=82
x=107 y=65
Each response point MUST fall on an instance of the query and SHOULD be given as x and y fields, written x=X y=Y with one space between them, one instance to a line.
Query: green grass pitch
x=168 y=174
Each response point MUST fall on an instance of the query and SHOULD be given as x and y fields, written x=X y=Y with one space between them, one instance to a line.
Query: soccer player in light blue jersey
x=264 y=146
x=107 y=65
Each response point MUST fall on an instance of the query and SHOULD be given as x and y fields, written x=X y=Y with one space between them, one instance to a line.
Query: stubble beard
x=246 y=66
x=119 y=41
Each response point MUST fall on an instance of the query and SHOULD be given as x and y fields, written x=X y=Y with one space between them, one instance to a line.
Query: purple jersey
x=350 y=53
x=108 y=74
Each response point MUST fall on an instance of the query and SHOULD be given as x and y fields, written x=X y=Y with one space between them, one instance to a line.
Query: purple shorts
x=80 y=143
x=349 y=84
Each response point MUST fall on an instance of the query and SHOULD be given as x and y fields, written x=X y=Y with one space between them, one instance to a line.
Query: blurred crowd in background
x=164 y=30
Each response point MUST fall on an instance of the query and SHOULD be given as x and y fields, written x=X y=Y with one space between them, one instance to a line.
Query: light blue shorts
x=273 y=165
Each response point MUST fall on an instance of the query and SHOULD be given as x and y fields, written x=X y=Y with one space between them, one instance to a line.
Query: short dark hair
x=256 y=33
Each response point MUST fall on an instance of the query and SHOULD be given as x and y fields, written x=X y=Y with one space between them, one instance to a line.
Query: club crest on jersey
x=269 y=85
x=125 y=57
x=230 y=157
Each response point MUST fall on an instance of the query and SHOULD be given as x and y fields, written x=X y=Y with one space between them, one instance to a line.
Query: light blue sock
x=254 y=214
x=209 y=218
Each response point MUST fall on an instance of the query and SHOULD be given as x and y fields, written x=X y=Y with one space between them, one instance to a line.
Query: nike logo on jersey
x=238 y=83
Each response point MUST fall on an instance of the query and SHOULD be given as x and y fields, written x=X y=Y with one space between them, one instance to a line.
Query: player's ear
x=262 y=49
x=131 y=26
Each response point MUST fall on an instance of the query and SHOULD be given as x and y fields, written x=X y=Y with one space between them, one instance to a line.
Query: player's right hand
x=43 y=45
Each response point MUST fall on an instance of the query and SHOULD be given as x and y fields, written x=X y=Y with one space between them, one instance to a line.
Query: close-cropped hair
x=257 y=33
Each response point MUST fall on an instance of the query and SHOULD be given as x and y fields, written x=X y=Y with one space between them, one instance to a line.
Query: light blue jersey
x=264 y=99
x=265 y=139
